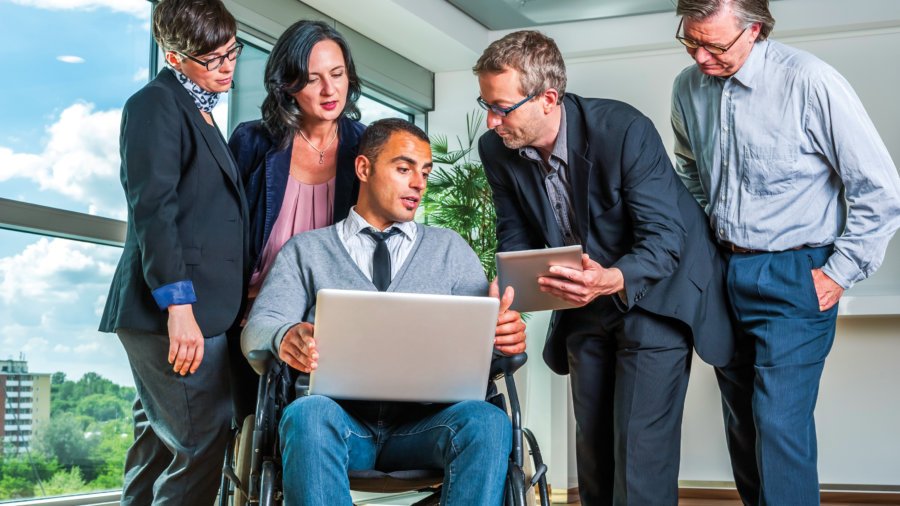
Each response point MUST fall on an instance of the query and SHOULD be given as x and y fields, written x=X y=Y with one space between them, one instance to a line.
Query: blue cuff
x=179 y=292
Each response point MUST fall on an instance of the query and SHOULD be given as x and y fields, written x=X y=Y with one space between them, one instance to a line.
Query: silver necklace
x=320 y=151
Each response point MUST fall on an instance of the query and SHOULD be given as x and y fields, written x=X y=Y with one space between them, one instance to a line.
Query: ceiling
x=511 y=14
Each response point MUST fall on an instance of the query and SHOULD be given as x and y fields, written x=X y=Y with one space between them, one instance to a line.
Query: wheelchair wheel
x=535 y=465
x=243 y=452
x=516 y=487
x=267 y=484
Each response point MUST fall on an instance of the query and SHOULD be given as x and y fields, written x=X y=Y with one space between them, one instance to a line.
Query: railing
x=108 y=497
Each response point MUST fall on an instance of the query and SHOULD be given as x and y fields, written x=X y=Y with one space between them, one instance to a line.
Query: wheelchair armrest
x=301 y=384
x=507 y=365
x=261 y=361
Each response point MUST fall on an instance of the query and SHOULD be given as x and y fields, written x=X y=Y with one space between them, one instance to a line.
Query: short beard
x=516 y=143
x=526 y=136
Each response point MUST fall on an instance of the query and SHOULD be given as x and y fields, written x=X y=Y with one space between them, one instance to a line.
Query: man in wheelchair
x=322 y=439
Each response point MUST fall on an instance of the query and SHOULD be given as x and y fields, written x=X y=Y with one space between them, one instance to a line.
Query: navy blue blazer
x=264 y=170
x=631 y=212
x=186 y=216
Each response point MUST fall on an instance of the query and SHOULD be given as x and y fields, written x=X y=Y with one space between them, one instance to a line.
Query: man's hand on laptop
x=510 y=336
x=298 y=348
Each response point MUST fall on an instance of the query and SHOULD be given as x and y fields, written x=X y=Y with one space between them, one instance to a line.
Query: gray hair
x=534 y=55
x=746 y=11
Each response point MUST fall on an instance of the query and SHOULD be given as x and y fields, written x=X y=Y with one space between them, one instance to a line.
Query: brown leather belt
x=734 y=248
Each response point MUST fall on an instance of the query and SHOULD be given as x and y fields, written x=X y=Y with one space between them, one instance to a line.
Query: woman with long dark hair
x=179 y=284
x=297 y=162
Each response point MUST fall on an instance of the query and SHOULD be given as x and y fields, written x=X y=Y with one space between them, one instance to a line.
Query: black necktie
x=381 y=260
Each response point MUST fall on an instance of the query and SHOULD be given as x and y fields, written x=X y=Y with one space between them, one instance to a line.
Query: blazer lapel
x=345 y=173
x=216 y=145
x=580 y=166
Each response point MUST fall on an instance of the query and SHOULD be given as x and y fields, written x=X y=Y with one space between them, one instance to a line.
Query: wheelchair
x=252 y=471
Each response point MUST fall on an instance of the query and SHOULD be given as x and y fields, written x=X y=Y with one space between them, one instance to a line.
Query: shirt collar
x=560 y=146
x=355 y=223
x=753 y=65
x=746 y=75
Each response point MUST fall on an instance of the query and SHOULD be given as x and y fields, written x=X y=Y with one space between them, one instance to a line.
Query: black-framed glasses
x=502 y=111
x=218 y=61
x=714 y=49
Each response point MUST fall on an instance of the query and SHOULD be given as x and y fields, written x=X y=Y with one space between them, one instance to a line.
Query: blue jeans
x=322 y=439
x=769 y=390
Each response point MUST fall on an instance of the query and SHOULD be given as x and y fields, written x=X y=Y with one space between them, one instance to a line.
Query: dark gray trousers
x=181 y=423
x=629 y=378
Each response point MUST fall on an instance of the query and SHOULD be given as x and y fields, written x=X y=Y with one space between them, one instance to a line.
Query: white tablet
x=520 y=269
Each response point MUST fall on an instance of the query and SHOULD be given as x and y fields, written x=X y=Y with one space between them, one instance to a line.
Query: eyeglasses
x=218 y=61
x=502 y=111
x=709 y=48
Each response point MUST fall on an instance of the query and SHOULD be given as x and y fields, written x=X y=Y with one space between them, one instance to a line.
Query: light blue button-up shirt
x=782 y=154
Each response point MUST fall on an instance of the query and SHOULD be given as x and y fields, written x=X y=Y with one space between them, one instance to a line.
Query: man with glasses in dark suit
x=570 y=170
x=803 y=198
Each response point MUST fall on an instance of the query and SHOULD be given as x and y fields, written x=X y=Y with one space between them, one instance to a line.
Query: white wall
x=859 y=406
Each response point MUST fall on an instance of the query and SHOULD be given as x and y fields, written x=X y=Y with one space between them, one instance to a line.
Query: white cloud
x=49 y=293
x=36 y=345
x=136 y=8
x=141 y=75
x=70 y=59
x=80 y=159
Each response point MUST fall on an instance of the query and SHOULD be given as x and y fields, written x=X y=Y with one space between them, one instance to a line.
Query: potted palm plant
x=459 y=196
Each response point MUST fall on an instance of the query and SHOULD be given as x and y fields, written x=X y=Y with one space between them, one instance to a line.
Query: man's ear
x=549 y=99
x=363 y=168
x=754 y=32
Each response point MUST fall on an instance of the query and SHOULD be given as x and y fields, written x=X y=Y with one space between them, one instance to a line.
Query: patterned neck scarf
x=205 y=100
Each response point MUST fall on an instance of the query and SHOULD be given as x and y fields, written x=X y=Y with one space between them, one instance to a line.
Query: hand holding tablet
x=521 y=270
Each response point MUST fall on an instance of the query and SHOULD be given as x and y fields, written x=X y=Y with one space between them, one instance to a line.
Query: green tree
x=101 y=407
x=58 y=378
x=63 y=437
x=90 y=428
x=21 y=475
x=63 y=482
x=113 y=442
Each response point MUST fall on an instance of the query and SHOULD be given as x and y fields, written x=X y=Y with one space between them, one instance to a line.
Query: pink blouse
x=305 y=207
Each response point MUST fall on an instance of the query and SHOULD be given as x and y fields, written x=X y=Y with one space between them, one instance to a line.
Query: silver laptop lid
x=403 y=346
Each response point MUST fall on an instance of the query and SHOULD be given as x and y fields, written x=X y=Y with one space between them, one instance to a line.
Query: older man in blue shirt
x=802 y=193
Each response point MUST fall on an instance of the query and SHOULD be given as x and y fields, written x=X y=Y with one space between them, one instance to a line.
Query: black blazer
x=264 y=171
x=186 y=214
x=631 y=212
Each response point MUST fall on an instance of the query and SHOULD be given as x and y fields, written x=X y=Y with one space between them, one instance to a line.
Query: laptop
x=520 y=269
x=403 y=346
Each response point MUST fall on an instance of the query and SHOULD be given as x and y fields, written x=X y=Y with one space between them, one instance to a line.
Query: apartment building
x=24 y=403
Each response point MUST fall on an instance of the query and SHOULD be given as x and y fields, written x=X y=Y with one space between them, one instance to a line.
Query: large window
x=65 y=388
x=67 y=72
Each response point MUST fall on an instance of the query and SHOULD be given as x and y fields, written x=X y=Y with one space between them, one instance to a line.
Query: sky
x=69 y=65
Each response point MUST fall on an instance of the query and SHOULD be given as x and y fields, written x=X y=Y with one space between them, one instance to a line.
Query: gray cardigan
x=440 y=263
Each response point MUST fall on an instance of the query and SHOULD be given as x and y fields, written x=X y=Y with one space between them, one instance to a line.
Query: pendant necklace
x=320 y=151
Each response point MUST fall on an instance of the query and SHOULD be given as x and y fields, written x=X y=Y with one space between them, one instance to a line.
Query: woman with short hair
x=179 y=284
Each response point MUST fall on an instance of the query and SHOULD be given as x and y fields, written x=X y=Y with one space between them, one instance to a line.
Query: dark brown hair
x=192 y=27
x=287 y=72
x=378 y=133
